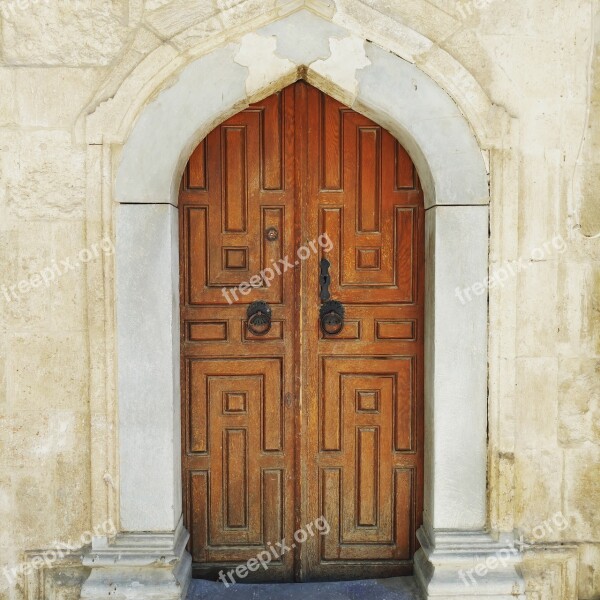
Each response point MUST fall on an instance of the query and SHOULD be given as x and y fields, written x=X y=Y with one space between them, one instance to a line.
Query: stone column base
x=468 y=565
x=139 y=566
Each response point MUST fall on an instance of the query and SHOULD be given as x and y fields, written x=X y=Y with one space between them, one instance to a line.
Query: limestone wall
x=535 y=60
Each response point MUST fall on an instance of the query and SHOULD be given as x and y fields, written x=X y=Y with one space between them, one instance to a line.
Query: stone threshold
x=395 y=588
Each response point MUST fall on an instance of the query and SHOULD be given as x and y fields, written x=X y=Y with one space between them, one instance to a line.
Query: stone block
x=589 y=572
x=44 y=175
x=7 y=97
x=550 y=573
x=539 y=203
x=24 y=297
x=76 y=33
x=3 y=399
x=536 y=403
x=589 y=213
x=578 y=401
x=537 y=320
x=579 y=308
x=53 y=97
x=538 y=492
x=49 y=371
x=582 y=492
x=74 y=254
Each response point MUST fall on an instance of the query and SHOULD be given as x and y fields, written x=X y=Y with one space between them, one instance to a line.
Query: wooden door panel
x=363 y=388
x=372 y=263
x=237 y=419
x=281 y=429
x=367 y=417
x=238 y=183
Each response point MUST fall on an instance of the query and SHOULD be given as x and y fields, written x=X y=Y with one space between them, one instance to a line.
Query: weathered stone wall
x=61 y=60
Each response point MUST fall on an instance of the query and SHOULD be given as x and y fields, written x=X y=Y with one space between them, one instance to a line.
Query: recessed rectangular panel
x=351 y=331
x=331 y=148
x=404 y=254
x=367 y=461
x=368 y=177
x=272 y=143
x=403 y=439
x=330 y=481
x=197 y=167
x=395 y=330
x=331 y=410
x=197 y=257
x=235 y=403
x=235 y=258
x=367 y=401
x=236 y=477
x=272 y=220
x=403 y=497
x=272 y=507
x=272 y=412
x=207 y=331
x=275 y=333
x=200 y=513
x=198 y=409
x=404 y=169
x=368 y=258
x=235 y=192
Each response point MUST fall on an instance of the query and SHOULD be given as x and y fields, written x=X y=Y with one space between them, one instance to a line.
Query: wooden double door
x=297 y=426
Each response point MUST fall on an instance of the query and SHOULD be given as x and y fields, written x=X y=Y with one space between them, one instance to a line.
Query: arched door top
x=391 y=91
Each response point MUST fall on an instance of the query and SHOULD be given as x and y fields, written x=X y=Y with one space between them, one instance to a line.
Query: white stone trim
x=148 y=368
x=469 y=566
x=428 y=123
x=140 y=566
x=410 y=105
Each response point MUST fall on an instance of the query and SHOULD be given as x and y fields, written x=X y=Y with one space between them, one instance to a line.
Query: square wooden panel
x=367 y=401
x=235 y=258
x=235 y=402
x=368 y=258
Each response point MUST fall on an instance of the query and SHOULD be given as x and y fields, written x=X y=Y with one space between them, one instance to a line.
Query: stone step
x=396 y=588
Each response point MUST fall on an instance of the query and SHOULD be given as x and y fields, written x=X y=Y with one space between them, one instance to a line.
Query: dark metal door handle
x=331 y=315
x=259 y=317
x=324 y=279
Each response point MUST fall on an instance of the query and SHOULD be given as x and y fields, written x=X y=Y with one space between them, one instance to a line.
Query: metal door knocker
x=331 y=314
x=259 y=318
x=332 y=317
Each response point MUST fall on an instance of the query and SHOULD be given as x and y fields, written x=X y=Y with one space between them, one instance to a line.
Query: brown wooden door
x=281 y=429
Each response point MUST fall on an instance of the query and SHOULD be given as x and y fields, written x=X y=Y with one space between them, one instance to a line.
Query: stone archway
x=148 y=558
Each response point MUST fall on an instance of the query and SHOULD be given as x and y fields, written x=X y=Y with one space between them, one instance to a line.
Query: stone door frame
x=144 y=155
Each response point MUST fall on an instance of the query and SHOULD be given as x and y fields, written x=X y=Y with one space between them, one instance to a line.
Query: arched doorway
x=138 y=145
x=294 y=432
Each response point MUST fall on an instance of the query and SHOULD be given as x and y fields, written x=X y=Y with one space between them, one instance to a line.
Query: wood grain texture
x=278 y=430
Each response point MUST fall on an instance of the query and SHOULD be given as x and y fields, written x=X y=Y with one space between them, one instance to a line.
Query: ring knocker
x=332 y=317
x=259 y=318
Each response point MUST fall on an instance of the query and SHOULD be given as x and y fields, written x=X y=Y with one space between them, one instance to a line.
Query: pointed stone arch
x=147 y=148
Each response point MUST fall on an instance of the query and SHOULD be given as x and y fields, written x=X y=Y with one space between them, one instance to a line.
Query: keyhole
x=272 y=234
